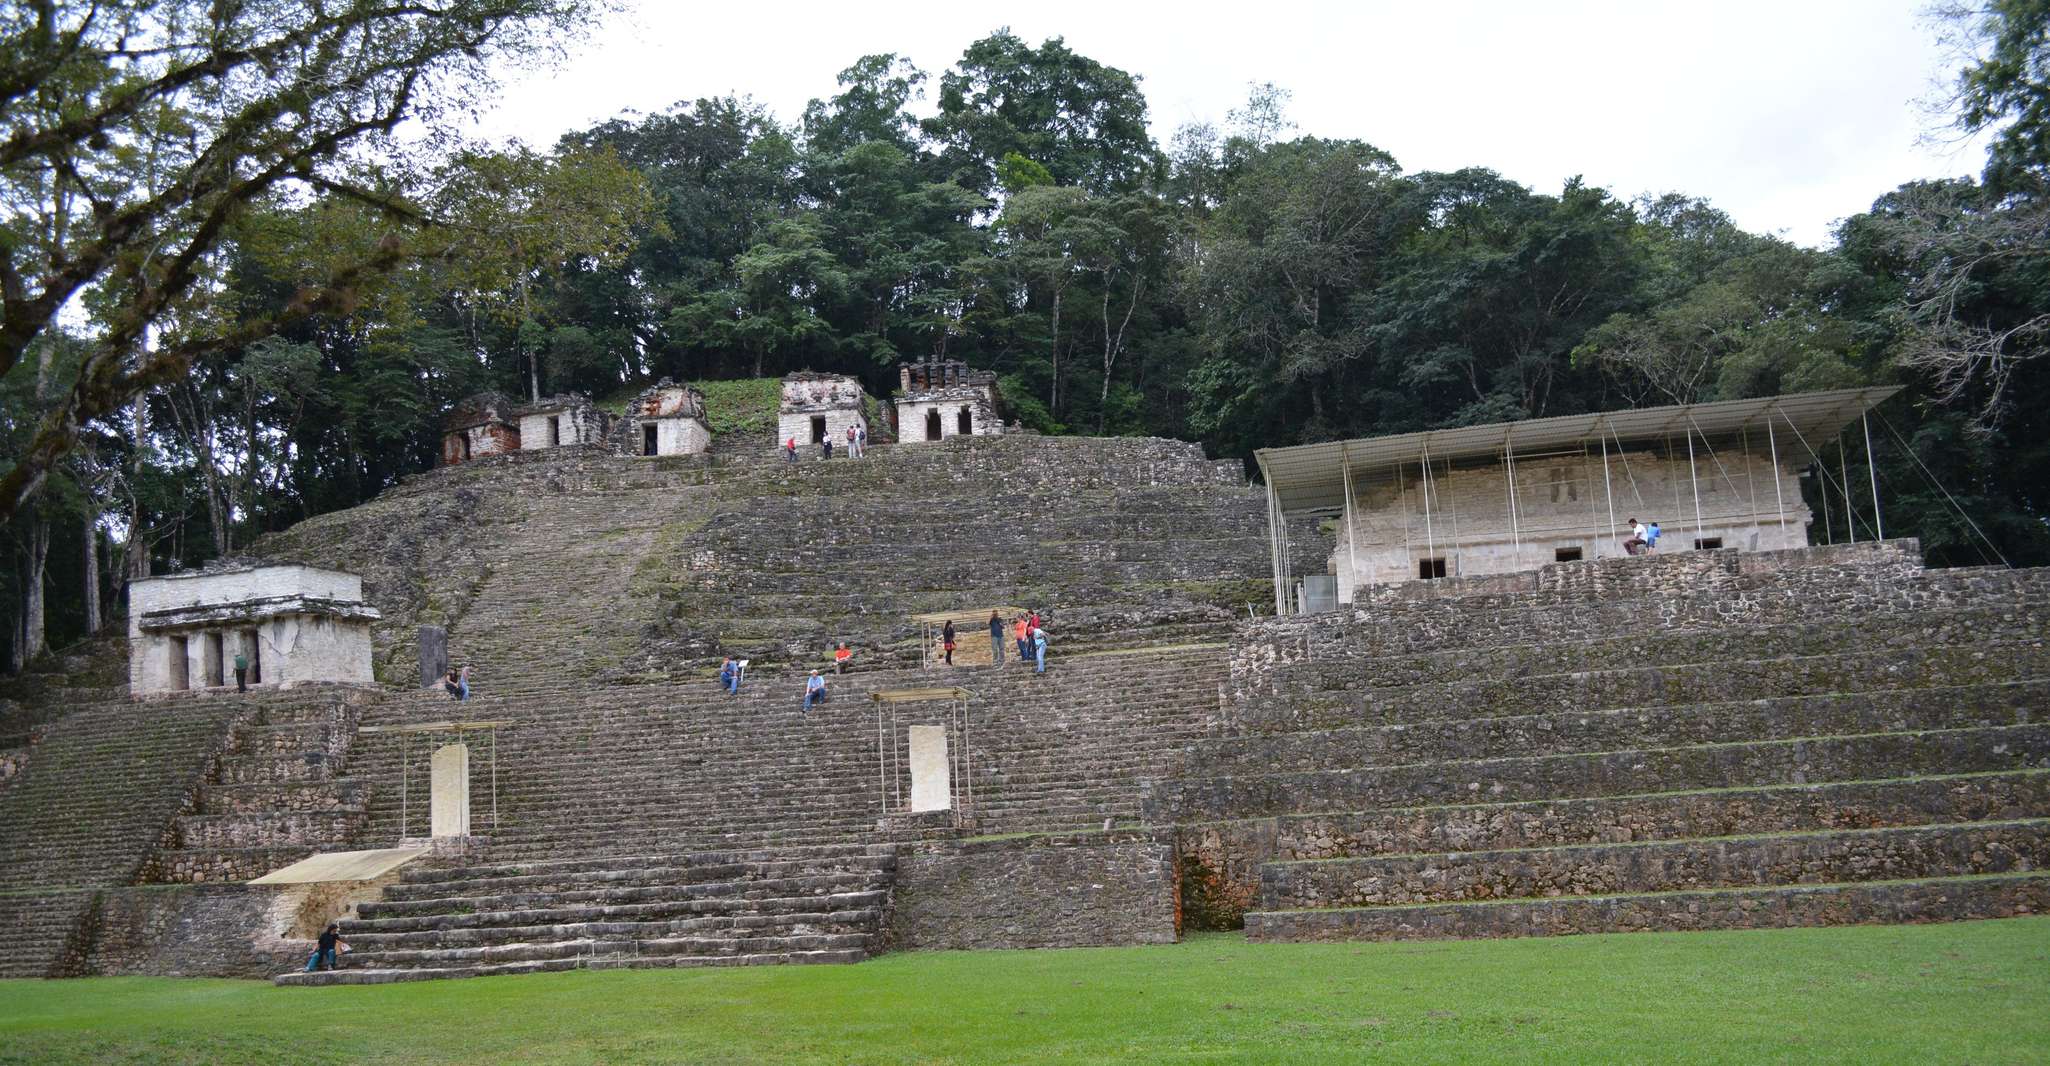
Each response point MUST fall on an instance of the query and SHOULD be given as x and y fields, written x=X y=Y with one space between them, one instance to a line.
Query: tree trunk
x=1053 y=404
x=32 y=557
x=92 y=575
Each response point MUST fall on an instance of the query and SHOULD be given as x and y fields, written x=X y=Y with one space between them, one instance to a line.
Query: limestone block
x=451 y=791
x=931 y=775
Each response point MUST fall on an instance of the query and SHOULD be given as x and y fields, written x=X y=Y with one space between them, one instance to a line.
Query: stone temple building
x=556 y=421
x=481 y=425
x=295 y=623
x=1516 y=496
x=665 y=419
x=816 y=407
x=946 y=398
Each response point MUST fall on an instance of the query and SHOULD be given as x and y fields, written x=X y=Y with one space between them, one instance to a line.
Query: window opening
x=1566 y=555
x=932 y=424
x=965 y=423
x=649 y=439
x=1430 y=569
x=1702 y=544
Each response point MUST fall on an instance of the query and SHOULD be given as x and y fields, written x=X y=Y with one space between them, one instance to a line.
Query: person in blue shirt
x=729 y=676
x=1039 y=649
x=1651 y=537
x=814 y=691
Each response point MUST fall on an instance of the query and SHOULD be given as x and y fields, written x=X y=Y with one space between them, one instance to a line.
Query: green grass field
x=1976 y=992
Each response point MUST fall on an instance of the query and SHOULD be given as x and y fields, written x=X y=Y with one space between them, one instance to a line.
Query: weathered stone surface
x=1037 y=892
x=192 y=931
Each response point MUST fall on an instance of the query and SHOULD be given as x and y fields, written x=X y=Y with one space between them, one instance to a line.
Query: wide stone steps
x=631 y=961
x=1667 y=686
x=1769 y=907
x=1775 y=718
x=816 y=904
x=1884 y=854
x=1718 y=812
x=35 y=927
x=1613 y=773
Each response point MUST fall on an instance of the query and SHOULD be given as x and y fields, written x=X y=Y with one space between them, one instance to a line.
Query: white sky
x=1788 y=115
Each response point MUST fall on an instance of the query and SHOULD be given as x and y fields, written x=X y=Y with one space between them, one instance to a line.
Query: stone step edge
x=1505 y=805
x=1673 y=894
x=1779 y=741
x=1509 y=854
x=366 y=977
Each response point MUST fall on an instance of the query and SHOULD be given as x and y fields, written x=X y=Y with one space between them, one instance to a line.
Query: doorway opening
x=932 y=424
x=964 y=423
x=818 y=429
x=649 y=439
x=181 y=676
x=554 y=431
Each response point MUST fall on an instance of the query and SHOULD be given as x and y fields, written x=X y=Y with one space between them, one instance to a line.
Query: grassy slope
x=1969 y=992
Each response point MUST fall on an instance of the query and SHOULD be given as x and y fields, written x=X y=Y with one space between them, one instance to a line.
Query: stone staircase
x=730 y=908
x=1675 y=743
x=274 y=798
x=90 y=806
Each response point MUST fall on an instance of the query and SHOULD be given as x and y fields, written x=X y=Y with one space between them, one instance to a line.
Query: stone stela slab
x=931 y=774
x=433 y=655
x=451 y=791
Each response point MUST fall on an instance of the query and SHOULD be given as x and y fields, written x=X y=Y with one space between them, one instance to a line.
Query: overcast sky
x=1788 y=115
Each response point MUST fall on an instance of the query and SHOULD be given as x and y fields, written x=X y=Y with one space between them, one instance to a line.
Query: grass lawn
x=1974 y=992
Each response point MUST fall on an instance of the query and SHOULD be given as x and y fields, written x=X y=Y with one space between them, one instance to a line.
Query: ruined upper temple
x=946 y=398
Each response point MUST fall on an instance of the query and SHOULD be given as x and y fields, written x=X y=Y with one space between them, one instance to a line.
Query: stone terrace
x=1707 y=740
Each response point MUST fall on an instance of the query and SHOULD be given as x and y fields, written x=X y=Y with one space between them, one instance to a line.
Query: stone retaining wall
x=1035 y=892
x=190 y=931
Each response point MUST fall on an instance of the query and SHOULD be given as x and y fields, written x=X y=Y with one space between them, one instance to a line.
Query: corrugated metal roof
x=1312 y=476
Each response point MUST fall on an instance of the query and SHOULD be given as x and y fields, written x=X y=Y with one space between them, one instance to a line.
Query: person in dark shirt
x=996 y=639
x=330 y=943
x=947 y=641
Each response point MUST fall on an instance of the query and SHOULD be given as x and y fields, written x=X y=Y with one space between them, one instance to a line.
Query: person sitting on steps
x=1635 y=542
x=814 y=691
x=843 y=656
x=452 y=685
x=327 y=948
x=729 y=676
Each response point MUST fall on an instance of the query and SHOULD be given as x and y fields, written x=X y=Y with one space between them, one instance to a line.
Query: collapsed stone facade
x=483 y=425
x=559 y=421
x=665 y=419
x=294 y=623
x=946 y=398
x=820 y=407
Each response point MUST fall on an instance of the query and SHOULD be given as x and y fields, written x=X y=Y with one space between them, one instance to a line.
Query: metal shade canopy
x=1311 y=477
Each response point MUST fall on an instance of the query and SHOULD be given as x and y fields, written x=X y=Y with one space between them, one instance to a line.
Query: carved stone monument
x=451 y=791
x=931 y=775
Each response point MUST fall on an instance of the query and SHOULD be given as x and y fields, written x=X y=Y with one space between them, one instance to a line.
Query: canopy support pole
x=1430 y=536
x=1274 y=542
x=1779 y=494
x=1872 y=470
x=1452 y=553
x=1509 y=464
x=1694 y=482
x=1345 y=514
x=1843 y=472
x=1608 y=489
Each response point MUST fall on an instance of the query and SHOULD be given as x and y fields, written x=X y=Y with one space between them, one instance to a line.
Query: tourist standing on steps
x=1039 y=648
x=861 y=441
x=326 y=948
x=463 y=684
x=729 y=676
x=241 y=671
x=790 y=449
x=853 y=449
x=826 y=449
x=996 y=639
x=947 y=641
x=1024 y=635
x=814 y=691
x=1651 y=537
